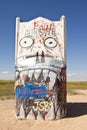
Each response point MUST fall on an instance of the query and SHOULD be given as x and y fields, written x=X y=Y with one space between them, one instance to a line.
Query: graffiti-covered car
x=40 y=69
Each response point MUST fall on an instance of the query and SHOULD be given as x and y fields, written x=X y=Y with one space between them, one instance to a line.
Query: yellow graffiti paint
x=42 y=106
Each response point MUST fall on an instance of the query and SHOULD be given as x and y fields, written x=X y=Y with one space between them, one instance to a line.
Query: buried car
x=40 y=69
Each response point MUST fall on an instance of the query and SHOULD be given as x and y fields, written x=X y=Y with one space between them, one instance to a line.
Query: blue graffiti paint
x=31 y=90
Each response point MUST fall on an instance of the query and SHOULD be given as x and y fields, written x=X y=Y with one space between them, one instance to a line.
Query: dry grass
x=7 y=88
x=73 y=86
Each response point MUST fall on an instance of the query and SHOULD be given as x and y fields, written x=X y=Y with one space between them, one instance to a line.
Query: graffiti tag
x=42 y=106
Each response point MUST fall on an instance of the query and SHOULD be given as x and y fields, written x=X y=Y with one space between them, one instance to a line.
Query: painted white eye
x=50 y=42
x=26 y=42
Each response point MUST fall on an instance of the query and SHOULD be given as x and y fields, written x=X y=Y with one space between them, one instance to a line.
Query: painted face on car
x=39 y=41
x=39 y=51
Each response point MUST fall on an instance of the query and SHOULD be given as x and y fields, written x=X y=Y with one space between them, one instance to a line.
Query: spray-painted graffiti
x=41 y=29
x=40 y=84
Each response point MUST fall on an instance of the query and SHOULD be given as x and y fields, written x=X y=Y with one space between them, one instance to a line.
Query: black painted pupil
x=50 y=42
x=25 y=42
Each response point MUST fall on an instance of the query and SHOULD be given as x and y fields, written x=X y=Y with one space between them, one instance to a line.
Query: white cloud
x=6 y=75
x=77 y=76
x=71 y=74
x=5 y=72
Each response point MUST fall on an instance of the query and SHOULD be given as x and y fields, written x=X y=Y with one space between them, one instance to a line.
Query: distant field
x=7 y=88
x=73 y=86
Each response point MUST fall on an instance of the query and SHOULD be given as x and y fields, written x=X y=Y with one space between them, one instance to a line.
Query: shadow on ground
x=76 y=109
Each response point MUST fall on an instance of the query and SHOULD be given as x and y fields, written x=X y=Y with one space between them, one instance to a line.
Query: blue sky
x=75 y=12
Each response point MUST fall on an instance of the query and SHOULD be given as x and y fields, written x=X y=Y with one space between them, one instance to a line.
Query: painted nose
x=40 y=57
x=43 y=57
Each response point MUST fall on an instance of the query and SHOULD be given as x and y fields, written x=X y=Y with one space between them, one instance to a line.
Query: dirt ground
x=76 y=118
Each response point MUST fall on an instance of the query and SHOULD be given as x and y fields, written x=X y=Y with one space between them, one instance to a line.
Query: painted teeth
x=45 y=74
x=52 y=79
x=37 y=73
x=52 y=75
x=30 y=74
x=42 y=75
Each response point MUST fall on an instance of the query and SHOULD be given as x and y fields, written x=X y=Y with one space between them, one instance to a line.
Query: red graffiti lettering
x=37 y=91
x=25 y=91
x=35 y=24
x=51 y=26
x=44 y=26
